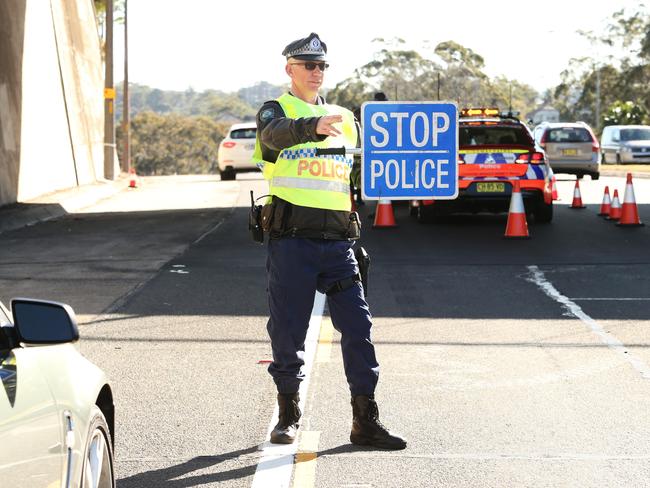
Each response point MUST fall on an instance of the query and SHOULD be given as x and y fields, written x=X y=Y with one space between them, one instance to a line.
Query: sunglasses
x=311 y=66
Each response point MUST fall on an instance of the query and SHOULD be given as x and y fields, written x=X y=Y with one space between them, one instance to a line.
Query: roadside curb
x=622 y=171
x=57 y=204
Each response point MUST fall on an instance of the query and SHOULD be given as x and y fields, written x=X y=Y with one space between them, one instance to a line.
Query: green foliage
x=625 y=113
x=590 y=83
x=408 y=75
x=219 y=106
x=173 y=144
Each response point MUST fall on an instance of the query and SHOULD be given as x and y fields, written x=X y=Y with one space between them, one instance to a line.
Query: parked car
x=571 y=147
x=626 y=144
x=494 y=150
x=236 y=151
x=56 y=407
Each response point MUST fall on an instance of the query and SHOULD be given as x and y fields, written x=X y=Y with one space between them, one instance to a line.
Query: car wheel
x=228 y=174
x=595 y=176
x=603 y=160
x=543 y=213
x=618 y=159
x=97 y=470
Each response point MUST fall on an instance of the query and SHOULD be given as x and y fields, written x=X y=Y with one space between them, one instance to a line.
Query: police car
x=495 y=149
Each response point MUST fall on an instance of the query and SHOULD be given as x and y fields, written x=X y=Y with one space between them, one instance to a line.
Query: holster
x=363 y=260
x=267 y=215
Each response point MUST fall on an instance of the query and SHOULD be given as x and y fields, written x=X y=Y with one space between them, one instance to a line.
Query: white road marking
x=537 y=277
x=276 y=464
x=610 y=299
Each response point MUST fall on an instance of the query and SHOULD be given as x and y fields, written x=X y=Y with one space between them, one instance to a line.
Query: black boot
x=285 y=431
x=367 y=430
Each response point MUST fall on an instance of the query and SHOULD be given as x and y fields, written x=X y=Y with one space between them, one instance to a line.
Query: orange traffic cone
x=606 y=205
x=615 y=209
x=517 y=227
x=132 y=178
x=384 y=216
x=577 y=199
x=629 y=212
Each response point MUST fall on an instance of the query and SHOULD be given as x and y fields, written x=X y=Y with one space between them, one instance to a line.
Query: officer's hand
x=325 y=125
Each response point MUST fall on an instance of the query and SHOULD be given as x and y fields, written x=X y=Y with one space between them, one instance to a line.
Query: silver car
x=56 y=407
x=626 y=144
x=570 y=147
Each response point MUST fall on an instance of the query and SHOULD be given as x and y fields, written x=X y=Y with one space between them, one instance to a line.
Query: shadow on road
x=170 y=477
x=179 y=476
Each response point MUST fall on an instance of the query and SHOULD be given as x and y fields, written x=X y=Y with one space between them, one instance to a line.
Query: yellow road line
x=324 y=349
x=305 y=460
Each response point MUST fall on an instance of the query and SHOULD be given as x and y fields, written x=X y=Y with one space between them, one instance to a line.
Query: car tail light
x=542 y=141
x=531 y=157
x=595 y=147
x=229 y=144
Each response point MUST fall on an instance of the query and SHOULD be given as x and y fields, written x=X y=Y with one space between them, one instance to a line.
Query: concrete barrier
x=51 y=98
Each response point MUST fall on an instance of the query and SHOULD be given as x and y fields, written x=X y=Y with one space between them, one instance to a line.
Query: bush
x=173 y=144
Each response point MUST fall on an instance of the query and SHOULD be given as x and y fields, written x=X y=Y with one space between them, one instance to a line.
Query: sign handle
x=338 y=150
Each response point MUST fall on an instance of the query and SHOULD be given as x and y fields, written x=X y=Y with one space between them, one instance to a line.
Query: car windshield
x=493 y=136
x=635 y=134
x=568 y=134
x=243 y=134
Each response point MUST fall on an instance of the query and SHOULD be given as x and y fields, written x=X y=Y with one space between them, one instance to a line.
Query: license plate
x=490 y=187
x=570 y=152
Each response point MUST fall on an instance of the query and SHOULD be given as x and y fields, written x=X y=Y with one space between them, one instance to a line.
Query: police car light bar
x=479 y=112
x=510 y=114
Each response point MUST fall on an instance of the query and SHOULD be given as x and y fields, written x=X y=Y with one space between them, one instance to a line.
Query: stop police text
x=420 y=174
x=418 y=130
x=426 y=137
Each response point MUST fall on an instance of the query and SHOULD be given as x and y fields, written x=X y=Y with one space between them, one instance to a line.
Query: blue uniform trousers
x=296 y=268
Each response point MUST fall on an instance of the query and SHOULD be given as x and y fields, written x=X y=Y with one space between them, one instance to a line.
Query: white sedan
x=236 y=150
x=56 y=407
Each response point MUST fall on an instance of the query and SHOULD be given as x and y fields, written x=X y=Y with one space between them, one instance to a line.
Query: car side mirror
x=43 y=322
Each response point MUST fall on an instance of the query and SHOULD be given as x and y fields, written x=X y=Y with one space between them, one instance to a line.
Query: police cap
x=311 y=48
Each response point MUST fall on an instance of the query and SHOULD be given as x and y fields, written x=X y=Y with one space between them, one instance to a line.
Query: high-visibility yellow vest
x=302 y=178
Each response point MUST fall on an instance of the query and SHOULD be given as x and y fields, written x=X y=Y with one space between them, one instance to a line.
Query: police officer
x=312 y=232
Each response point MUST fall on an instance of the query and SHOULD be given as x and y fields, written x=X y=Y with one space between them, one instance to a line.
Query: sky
x=212 y=44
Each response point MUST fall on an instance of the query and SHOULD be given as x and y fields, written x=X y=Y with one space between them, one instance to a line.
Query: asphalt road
x=504 y=363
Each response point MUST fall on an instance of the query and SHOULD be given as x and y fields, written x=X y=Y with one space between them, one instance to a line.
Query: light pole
x=109 y=98
x=126 y=122
x=597 y=99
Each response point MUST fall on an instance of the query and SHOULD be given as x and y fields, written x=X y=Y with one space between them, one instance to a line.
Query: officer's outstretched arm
x=277 y=131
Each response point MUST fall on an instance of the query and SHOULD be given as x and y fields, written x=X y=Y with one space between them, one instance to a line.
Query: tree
x=174 y=144
x=625 y=113
x=456 y=74
x=620 y=72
